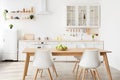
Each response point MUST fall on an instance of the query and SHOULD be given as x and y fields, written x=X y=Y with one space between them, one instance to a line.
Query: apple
x=65 y=47
x=61 y=47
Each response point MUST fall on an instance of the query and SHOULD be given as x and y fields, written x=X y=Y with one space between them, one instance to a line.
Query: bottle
x=31 y=9
x=23 y=10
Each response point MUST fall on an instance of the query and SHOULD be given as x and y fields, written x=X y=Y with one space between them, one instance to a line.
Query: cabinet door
x=71 y=16
x=99 y=45
x=22 y=46
x=10 y=45
x=82 y=16
x=94 y=16
x=89 y=16
x=10 y=40
x=90 y=45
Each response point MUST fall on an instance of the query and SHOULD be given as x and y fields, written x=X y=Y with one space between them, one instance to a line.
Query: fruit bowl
x=61 y=47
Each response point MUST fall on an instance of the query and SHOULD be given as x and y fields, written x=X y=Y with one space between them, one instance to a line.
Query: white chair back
x=90 y=59
x=42 y=59
x=80 y=46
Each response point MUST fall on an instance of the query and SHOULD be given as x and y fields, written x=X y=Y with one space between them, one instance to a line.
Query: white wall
x=43 y=25
x=55 y=23
x=110 y=29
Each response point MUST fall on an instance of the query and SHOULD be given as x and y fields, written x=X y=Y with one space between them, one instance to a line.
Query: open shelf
x=23 y=14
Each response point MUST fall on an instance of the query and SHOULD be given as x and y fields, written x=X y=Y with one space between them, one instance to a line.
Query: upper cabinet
x=83 y=16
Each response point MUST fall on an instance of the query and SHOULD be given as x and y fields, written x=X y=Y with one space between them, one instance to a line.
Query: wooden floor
x=14 y=71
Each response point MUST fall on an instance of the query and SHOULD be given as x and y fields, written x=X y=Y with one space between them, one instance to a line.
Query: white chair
x=78 y=58
x=42 y=60
x=90 y=60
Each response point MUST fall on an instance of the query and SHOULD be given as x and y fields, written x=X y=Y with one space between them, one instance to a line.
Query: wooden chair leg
x=77 y=70
x=86 y=71
x=53 y=66
x=80 y=74
x=83 y=77
x=97 y=75
x=50 y=74
x=93 y=75
x=35 y=76
x=41 y=71
x=75 y=66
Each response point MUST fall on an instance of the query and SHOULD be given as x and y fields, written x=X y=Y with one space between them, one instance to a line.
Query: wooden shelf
x=23 y=14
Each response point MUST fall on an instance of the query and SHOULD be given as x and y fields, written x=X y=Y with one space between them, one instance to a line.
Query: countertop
x=62 y=40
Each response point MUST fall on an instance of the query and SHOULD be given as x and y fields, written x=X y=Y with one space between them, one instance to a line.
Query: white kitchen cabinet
x=22 y=46
x=83 y=16
x=34 y=44
x=28 y=44
x=25 y=44
x=52 y=44
x=92 y=44
x=9 y=45
x=86 y=44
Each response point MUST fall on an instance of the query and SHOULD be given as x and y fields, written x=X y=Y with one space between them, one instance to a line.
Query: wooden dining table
x=69 y=52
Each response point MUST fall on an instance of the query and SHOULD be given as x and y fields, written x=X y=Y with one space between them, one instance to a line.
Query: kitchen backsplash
x=70 y=34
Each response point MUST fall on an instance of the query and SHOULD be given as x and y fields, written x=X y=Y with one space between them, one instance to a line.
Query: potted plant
x=4 y=13
x=93 y=36
x=11 y=26
x=31 y=16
